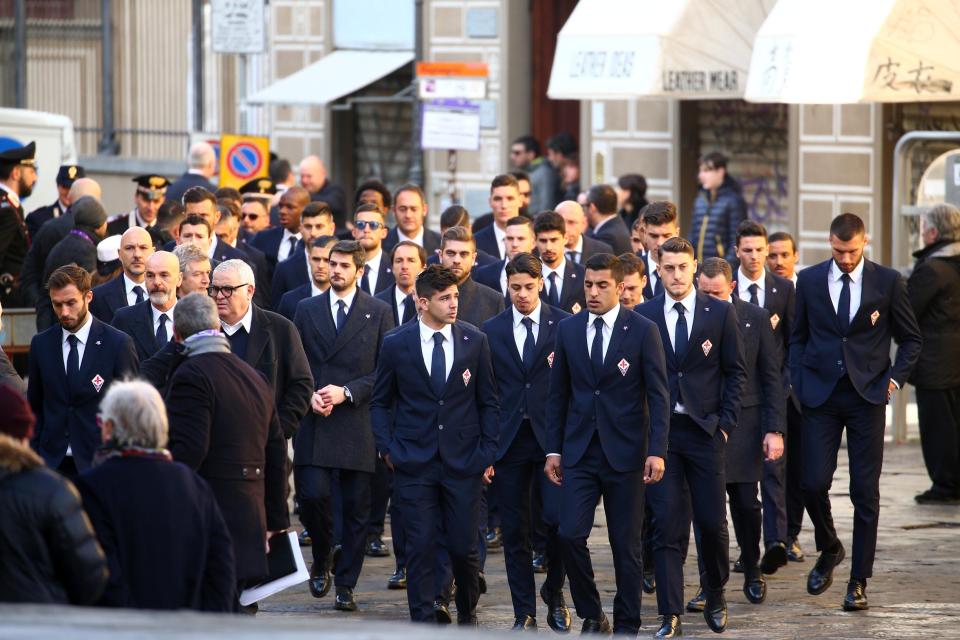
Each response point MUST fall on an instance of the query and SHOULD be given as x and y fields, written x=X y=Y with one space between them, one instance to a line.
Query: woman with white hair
x=165 y=539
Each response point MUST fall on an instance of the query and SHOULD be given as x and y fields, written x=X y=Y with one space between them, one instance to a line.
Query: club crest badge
x=97 y=382
x=550 y=360
x=774 y=321
x=466 y=377
x=576 y=308
x=624 y=366
x=706 y=346
x=874 y=317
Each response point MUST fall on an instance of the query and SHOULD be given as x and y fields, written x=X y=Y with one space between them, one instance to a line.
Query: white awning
x=331 y=77
x=830 y=52
x=619 y=49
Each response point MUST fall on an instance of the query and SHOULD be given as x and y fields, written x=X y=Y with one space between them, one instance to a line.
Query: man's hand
x=772 y=446
x=653 y=469
x=554 y=470
x=891 y=387
x=319 y=405
x=488 y=474
x=725 y=436
x=270 y=534
x=387 y=461
x=332 y=394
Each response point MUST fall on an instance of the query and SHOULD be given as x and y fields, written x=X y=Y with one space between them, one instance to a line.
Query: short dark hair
x=604 y=261
x=524 y=263
x=412 y=187
x=454 y=216
x=374 y=185
x=676 y=244
x=783 y=236
x=549 y=221
x=563 y=143
x=70 y=274
x=322 y=242
x=521 y=175
x=603 y=197
x=632 y=264
x=228 y=193
x=196 y=221
x=637 y=224
x=520 y=221
x=529 y=143
x=713 y=267
x=421 y=252
x=193 y=195
x=658 y=213
x=714 y=159
x=316 y=208
x=351 y=248
x=280 y=170
x=504 y=180
x=457 y=234
x=368 y=207
x=232 y=207
x=847 y=226
x=433 y=279
x=751 y=229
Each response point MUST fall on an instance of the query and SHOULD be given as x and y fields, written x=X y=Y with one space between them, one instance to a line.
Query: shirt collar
x=128 y=285
x=140 y=222
x=399 y=295
x=83 y=333
x=289 y=234
x=417 y=238
x=534 y=315
x=156 y=312
x=213 y=247
x=609 y=317
x=314 y=291
x=855 y=275
x=347 y=299
x=246 y=321
x=14 y=198
x=688 y=302
x=578 y=248
x=426 y=333
x=559 y=270
x=743 y=282
x=794 y=278
x=373 y=263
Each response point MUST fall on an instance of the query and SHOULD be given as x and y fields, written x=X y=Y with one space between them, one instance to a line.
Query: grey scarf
x=211 y=341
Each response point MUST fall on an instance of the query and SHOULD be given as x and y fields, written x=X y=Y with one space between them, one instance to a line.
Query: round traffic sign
x=244 y=160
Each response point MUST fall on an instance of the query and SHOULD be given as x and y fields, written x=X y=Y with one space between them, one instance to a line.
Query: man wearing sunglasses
x=369 y=229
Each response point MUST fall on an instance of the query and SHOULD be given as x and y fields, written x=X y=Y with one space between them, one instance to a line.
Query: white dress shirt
x=83 y=334
x=836 y=285
x=577 y=250
x=137 y=221
x=372 y=268
x=794 y=279
x=401 y=236
x=652 y=275
x=130 y=287
x=284 y=251
x=314 y=291
x=520 y=331
x=244 y=322
x=399 y=297
x=156 y=319
x=212 y=250
x=743 y=286
x=559 y=279
x=609 y=318
x=426 y=347
x=347 y=301
x=601 y=223
x=671 y=316
x=501 y=236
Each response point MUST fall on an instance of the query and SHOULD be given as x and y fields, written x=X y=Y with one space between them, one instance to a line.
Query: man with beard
x=319 y=257
x=458 y=252
x=150 y=322
x=316 y=220
x=71 y=364
x=562 y=277
x=65 y=178
x=129 y=289
x=369 y=229
x=18 y=174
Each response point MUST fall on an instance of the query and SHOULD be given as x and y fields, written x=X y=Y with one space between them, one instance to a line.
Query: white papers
x=282 y=545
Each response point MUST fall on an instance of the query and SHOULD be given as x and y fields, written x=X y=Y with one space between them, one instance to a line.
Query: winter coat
x=715 y=220
x=934 y=290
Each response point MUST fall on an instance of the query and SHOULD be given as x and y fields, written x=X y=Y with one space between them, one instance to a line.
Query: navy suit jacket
x=572 y=297
x=108 y=298
x=489 y=276
x=712 y=375
x=819 y=350
x=628 y=405
x=66 y=410
x=522 y=391
x=388 y=296
x=431 y=241
x=419 y=428
x=650 y=291
x=591 y=247
x=486 y=241
x=185 y=182
x=483 y=259
x=478 y=303
x=288 y=303
x=615 y=233
x=385 y=277
x=268 y=241
x=137 y=322
x=289 y=274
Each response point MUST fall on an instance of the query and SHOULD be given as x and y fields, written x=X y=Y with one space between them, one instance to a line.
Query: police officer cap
x=20 y=155
x=68 y=173
x=259 y=187
x=152 y=186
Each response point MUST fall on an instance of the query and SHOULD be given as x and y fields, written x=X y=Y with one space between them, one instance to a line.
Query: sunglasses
x=226 y=292
x=373 y=225
x=249 y=216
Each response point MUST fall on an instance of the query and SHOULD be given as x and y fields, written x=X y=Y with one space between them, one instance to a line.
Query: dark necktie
x=341 y=314
x=843 y=305
x=73 y=358
x=162 y=330
x=409 y=310
x=438 y=365
x=365 y=282
x=138 y=291
x=658 y=288
x=293 y=246
x=528 y=344
x=573 y=256
x=680 y=334
x=596 y=351
x=553 y=296
x=754 y=297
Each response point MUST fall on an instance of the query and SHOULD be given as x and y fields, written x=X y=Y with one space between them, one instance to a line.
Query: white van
x=53 y=134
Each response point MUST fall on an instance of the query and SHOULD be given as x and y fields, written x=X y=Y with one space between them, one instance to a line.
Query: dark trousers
x=539 y=534
x=396 y=528
x=646 y=538
x=773 y=493
x=315 y=486
x=822 y=430
x=695 y=465
x=745 y=514
x=430 y=501
x=793 y=453
x=518 y=472
x=444 y=568
x=622 y=492
x=939 y=413
x=380 y=490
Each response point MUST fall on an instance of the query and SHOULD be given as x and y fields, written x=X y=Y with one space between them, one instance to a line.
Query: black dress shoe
x=649 y=582
x=715 y=612
x=558 y=616
x=526 y=623
x=345 y=601
x=494 y=538
x=773 y=558
x=441 y=612
x=696 y=603
x=738 y=566
x=794 y=551
x=335 y=559
x=377 y=548
x=539 y=563
x=601 y=626
x=933 y=496
x=319 y=581
x=304 y=538
x=821 y=577
x=856 y=598
x=754 y=586
x=669 y=628
x=398 y=580
x=482 y=583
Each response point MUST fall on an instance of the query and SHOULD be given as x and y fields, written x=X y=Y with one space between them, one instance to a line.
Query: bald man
x=150 y=323
x=579 y=247
x=202 y=166
x=136 y=246
x=313 y=178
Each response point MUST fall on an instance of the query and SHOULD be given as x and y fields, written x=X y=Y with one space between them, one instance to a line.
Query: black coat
x=79 y=246
x=224 y=426
x=614 y=233
x=288 y=275
x=934 y=290
x=31 y=276
x=344 y=439
x=9 y=374
x=48 y=551
x=137 y=322
x=478 y=303
x=14 y=239
x=187 y=181
x=336 y=199
x=165 y=539
x=431 y=241
x=110 y=297
x=288 y=303
x=38 y=217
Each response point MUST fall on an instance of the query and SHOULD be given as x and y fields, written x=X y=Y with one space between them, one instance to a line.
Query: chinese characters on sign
x=919 y=79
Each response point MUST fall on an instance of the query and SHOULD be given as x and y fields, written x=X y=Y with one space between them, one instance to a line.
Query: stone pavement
x=916 y=591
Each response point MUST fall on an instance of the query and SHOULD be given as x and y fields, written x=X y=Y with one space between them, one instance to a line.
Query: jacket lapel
x=117 y=296
x=91 y=354
x=415 y=354
x=703 y=306
x=571 y=283
x=460 y=345
x=259 y=333
x=617 y=335
x=145 y=335
x=825 y=292
x=581 y=353
x=505 y=327
x=323 y=319
x=357 y=318
x=867 y=301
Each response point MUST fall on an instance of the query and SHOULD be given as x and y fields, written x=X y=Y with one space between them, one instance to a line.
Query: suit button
x=441 y=403
x=597 y=392
x=680 y=374
x=441 y=427
x=528 y=385
x=844 y=339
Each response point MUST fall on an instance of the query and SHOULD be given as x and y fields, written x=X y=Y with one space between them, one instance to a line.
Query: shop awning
x=830 y=52
x=331 y=77
x=618 y=49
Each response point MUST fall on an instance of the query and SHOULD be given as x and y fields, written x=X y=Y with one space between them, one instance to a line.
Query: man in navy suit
x=478 y=303
x=316 y=220
x=606 y=224
x=410 y=211
x=608 y=398
x=280 y=242
x=848 y=310
x=505 y=205
x=519 y=239
x=150 y=323
x=369 y=229
x=128 y=289
x=71 y=364
x=203 y=166
x=707 y=375
x=579 y=247
x=435 y=418
x=634 y=280
x=521 y=345
x=409 y=260
x=659 y=225
x=562 y=277
x=319 y=277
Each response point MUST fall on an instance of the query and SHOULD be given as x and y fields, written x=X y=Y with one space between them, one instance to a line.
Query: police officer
x=65 y=177
x=150 y=193
x=18 y=174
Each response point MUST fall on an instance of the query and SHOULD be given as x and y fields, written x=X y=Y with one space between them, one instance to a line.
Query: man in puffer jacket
x=48 y=551
x=718 y=210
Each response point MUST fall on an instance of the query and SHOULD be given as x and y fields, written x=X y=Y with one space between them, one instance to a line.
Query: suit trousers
x=444 y=571
x=396 y=528
x=622 y=492
x=793 y=452
x=746 y=518
x=518 y=472
x=429 y=501
x=822 y=430
x=380 y=490
x=773 y=493
x=315 y=486
x=694 y=467
x=939 y=413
